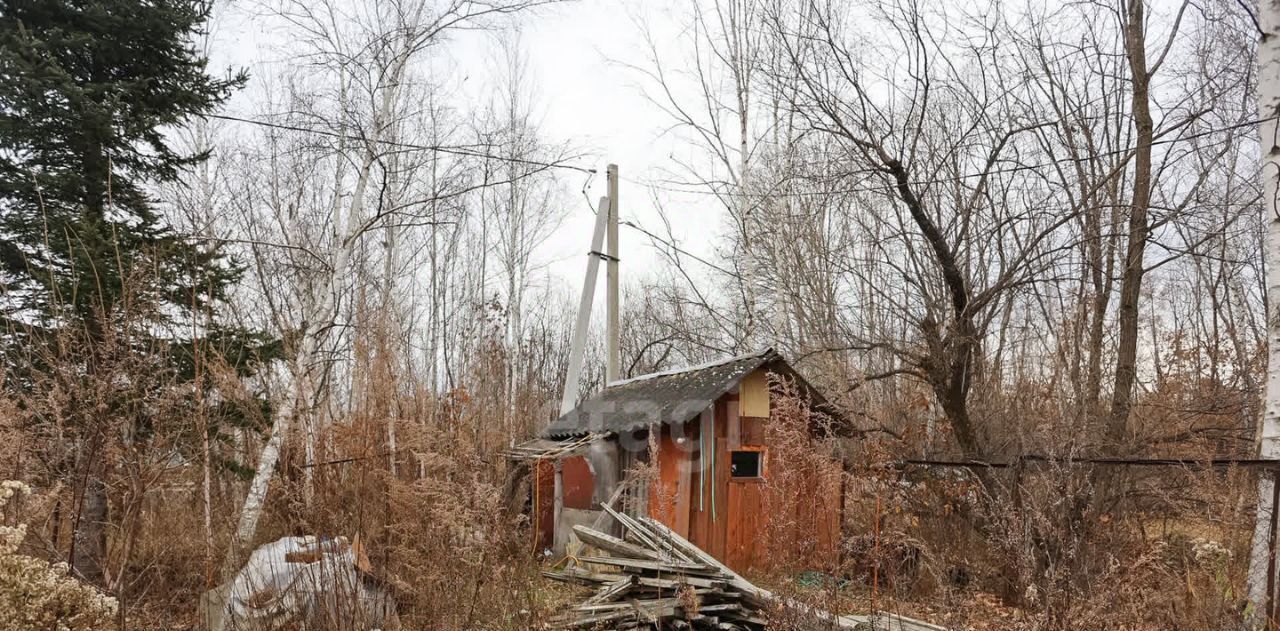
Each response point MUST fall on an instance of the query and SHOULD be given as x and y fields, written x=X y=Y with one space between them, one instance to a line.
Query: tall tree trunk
x=1139 y=228
x=388 y=330
x=89 y=548
x=1261 y=564
x=321 y=311
x=1100 y=282
x=750 y=273
x=951 y=366
x=89 y=530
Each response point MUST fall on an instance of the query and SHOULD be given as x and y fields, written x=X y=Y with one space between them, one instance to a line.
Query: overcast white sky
x=582 y=96
x=587 y=97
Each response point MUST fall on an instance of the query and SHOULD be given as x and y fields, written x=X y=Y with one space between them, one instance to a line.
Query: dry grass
x=436 y=530
x=1044 y=547
x=1040 y=548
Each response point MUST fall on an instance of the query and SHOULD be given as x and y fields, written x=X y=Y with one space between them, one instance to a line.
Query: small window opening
x=744 y=464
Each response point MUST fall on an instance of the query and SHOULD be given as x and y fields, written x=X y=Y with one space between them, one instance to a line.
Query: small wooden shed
x=711 y=479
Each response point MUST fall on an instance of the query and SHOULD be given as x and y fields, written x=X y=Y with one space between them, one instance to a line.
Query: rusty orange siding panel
x=752 y=431
x=745 y=527
x=663 y=493
x=579 y=484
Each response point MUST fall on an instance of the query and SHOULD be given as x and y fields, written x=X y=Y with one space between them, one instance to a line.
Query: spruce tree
x=88 y=91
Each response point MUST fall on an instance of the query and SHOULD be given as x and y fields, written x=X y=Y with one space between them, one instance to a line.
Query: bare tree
x=357 y=91
x=1262 y=563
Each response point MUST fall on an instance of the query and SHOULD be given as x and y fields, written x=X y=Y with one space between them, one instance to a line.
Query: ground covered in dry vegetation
x=1032 y=548
x=1018 y=247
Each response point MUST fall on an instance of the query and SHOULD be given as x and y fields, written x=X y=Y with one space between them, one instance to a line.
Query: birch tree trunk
x=253 y=501
x=1261 y=565
x=320 y=310
x=735 y=20
x=387 y=331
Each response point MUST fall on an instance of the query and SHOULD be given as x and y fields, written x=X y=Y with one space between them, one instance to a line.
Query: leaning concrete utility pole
x=602 y=455
x=611 y=373
x=1262 y=579
x=573 y=378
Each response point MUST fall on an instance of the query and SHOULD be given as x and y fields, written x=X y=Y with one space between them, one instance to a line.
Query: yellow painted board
x=753 y=394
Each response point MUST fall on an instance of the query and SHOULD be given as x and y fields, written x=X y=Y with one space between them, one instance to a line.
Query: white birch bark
x=356 y=225
x=735 y=20
x=1269 y=435
x=321 y=309
x=252 y=509
x=386 y=322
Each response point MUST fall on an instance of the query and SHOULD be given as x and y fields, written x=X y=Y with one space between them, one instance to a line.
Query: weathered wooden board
x=754 y=393
x=746 y=524
x=665 y=491
x=752 y=431
x=696 y=496
x=544 y=498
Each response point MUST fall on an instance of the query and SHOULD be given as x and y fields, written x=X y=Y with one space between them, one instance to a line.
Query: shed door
x=745 y=524
x=669 y=494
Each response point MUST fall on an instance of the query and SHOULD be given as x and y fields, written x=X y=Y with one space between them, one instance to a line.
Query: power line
x=1190 y=463
x=635 y=226
x=452 y=150
x=685 y=189
x=722 y=270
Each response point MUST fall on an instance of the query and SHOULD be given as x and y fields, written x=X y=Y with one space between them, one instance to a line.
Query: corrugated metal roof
x=666 y=397
x=549 y=449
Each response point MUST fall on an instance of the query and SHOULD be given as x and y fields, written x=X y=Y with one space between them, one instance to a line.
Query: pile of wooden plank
x=652 y=578
x=649 y=581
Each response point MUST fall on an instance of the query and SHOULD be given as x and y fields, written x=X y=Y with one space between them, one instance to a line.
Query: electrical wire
x=447 y=149
x=1211 y=463
x=686 y=188
x=634 y=226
